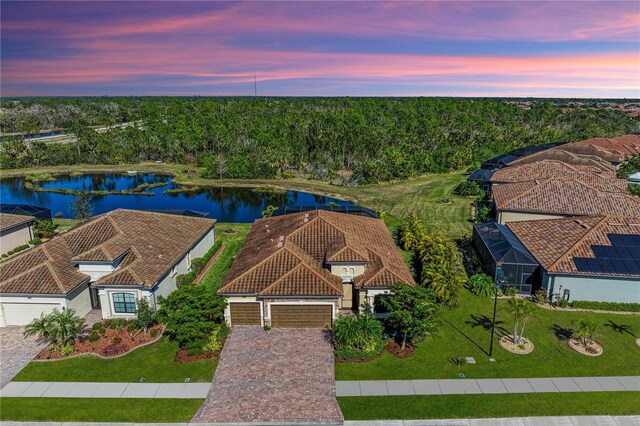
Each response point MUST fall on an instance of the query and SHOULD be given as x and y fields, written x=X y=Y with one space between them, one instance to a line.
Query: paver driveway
x=283 y=375
x=16 y=352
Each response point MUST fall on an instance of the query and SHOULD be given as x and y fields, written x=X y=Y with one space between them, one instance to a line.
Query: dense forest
x=347 y=140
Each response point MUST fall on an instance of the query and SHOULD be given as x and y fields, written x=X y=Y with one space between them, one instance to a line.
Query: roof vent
x=582 y=224
x=281 y=238
x=280 y=244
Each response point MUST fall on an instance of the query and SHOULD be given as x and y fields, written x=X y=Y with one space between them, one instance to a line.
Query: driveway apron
x=283 y=375
x=16 y=352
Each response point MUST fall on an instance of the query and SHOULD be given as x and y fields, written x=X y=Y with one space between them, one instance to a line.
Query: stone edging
x=211 y=261
x=102 y=356
x=580 y=349
x=527 y=350
x=638 y=341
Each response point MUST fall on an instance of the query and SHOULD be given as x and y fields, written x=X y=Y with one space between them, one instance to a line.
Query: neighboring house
x=15 y=230
x=562 y=197
x=483 y=178
x=498 y=162
x=504 y=258
x=40 y=213
x=586 y=258
x=546 y=169
x=565 y=157
x=303 y=269
x=634 y=178
x=107 y=263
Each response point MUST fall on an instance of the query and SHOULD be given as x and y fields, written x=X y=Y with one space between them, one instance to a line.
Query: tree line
x=345 y=140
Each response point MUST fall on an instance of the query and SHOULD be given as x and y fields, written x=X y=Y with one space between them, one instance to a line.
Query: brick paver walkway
x=283 y=375
x=16 y=352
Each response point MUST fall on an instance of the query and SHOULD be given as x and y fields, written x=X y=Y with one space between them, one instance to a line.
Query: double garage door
x=24 y=313
x=284 y=316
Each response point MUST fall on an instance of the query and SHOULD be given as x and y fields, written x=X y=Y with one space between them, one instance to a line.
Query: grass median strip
x=481 y=406
x=98 y=410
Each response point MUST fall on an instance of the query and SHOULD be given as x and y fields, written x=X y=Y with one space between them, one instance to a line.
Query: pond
x=225 y=204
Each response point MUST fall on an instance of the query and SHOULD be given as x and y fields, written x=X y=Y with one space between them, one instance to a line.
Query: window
x=352 y=271
x=124 y=303
x=344 y=271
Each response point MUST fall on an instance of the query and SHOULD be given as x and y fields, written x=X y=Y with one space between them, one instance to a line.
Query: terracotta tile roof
x=566 y=157
x=151 y=244
x=556 y=243
x=563 y=197
x=286 y=255
x=8 y=221
x=546 y=169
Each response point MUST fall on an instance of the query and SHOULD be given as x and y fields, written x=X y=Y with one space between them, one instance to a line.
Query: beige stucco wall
x=347 y=272
x=79 y=300
x=14 y=237
x=504 y=217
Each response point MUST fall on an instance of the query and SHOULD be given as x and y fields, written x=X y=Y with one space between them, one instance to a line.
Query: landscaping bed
x=111 y=344
x=395 y=349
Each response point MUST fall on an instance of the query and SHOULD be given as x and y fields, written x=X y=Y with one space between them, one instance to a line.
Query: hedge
x=197 y=265
x=606 y=306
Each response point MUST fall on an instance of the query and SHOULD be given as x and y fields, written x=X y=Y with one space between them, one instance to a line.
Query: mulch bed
x=395 y=349
x=230 y=232
x=592 y=349
x=182 y=356
x=525 y=347
x=105 y=346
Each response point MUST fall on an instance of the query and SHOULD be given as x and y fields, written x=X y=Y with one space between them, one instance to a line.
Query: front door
x=95 y=299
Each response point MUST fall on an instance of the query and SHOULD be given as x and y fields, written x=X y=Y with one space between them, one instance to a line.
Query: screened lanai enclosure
x=504 y=258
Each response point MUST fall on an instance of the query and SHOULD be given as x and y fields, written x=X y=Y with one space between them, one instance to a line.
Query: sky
x=447 y=48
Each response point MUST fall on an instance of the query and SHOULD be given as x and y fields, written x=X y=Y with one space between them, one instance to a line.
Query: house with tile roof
x=303 y=269
x=107 y=263
x=547 y=169
x=15 y=230
x=595 y=258
x=563 y=197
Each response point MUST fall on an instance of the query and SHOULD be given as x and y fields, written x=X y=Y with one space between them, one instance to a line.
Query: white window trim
x=112 y=305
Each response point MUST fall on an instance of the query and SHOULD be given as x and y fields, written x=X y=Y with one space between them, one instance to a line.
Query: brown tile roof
x=151 y=244
x=546 y=169
x=556 y=242
x=286 y=255
x=564 y=197
x=8 y=221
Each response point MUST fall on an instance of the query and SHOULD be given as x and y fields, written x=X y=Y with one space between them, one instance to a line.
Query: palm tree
x=521 y=311
x=56 y=327
x=587 y=329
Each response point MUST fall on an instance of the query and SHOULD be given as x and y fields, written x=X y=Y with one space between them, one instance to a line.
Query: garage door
x=245 y=313
x=24 y=313
x=301 y=316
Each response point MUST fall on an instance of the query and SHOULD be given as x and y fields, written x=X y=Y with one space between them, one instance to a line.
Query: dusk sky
x=554 y=49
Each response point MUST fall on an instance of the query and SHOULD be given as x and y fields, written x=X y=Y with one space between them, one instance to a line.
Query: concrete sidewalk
x=105 y=390
x=486 y=386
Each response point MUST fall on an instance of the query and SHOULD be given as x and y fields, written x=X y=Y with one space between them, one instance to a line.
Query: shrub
x=198 y=264
x=67 y=348
x=216 y=338
x=468 y=188
x=145 y=316
x=190 y=314
x=44 y=229
x=115 y=323
x=56 y=327
x=510 y=290
x=606 y=306
x=153 y=332
x=94 y=336
x=35 y=241
x=116 y=340
x=540 y=296
x=185 y=280
x=481 y=285
x=563 y=303
x=59 y=214
x=357 y=337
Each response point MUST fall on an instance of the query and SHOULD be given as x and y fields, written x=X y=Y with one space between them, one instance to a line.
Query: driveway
x=283 y=375
x=16 y=352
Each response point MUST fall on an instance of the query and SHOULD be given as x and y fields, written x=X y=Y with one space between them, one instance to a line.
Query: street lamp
x=500 y=280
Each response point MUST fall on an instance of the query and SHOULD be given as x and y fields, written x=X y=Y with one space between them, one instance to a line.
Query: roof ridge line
x=55 y=277
x=311 y=270
x=289 y=272
x=581 y=239
x=535 y=185
x=254 y=266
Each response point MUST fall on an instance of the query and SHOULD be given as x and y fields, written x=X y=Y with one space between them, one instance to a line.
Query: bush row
x=606 y=306
x=15 y=250
x=197 y=265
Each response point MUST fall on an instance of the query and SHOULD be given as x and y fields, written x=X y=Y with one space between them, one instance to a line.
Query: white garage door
x=24 y=313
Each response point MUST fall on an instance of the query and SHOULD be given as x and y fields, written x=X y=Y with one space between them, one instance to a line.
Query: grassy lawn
x=465 y=331
x=232 y=243
x=422 y=196
x=479 y=406
x=154 y=362
x=65 y=224
x=98 y=410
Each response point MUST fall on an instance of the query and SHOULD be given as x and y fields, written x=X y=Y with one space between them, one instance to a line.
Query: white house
x=15 y=230
x=107 y=263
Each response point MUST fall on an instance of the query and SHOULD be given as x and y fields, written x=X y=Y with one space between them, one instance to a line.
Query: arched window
x=344 y=271
x=352 y=271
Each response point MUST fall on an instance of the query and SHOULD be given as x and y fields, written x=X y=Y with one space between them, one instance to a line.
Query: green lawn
x=98 y=410
x=422 y=196
x=465 y=331
x=480 y=406
x=65 y=224
x=154 y=362
x=232 y=243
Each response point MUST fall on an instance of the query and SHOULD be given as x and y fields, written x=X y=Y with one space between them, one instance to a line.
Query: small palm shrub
x=481 y=285
x=358 y=337
x=587 y=330
x=57 y=327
